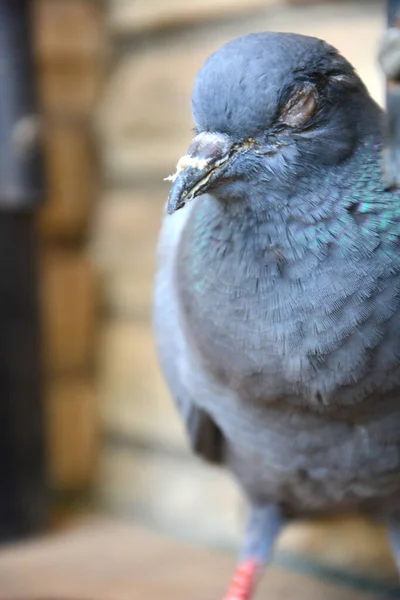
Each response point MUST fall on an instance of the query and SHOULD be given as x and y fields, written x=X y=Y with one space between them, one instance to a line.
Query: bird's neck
x=290 y=215
x=271 y=233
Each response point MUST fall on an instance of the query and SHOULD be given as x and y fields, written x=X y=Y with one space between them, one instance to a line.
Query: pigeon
x=277 y=295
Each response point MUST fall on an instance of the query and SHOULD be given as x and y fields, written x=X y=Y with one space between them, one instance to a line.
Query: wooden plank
x=69 y=47
x=67 y=31
x=68 y=299
x=134 y=398
x=127 y=17
x=180 y=494
x=71 y=90
x=109 y=560
x=123 y=248
x=126 y=227
x=71 y=180
x=72 y=433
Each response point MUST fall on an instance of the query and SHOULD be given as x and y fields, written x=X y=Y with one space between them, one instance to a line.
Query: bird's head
x=270 y=105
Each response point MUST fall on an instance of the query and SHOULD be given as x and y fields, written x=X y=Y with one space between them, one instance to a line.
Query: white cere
x=188 y=161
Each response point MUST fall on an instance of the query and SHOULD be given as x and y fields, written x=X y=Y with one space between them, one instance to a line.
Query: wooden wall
x=144 y=126
x=69 y=51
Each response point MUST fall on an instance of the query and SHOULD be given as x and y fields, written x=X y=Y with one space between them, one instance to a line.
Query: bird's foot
x=243 y=581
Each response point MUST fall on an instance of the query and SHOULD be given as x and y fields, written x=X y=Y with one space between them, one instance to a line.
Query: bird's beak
x=206 y=159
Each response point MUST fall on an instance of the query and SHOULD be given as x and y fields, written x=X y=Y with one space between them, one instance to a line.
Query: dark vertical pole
x=23 y=499
x=389 y=56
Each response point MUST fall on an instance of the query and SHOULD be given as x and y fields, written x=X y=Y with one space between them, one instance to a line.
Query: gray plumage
x=277 y=296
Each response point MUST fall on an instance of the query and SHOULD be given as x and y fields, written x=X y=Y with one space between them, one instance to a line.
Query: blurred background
x=113 y=81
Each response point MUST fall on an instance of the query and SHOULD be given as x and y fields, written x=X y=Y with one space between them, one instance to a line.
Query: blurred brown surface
x=123 y=247
x=68 y=294
x=71 y=411
x=128 y=362
x=71 y=180
x=70 y=43
x=140 y=16
x=70 y=46
x=105 y=560
x=71 y=89
x=61 y=21
x=170 y=493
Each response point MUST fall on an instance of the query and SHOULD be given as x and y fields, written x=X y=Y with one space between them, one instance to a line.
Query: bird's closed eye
x=301 y=106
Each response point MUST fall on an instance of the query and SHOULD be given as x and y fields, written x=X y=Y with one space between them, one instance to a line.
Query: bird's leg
x=243 y=581
x=263 y=526
x=394 y=540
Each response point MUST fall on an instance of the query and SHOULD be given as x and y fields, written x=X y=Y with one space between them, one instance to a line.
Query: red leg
x=263 y=525
x=242 y=584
